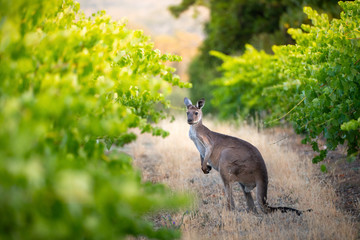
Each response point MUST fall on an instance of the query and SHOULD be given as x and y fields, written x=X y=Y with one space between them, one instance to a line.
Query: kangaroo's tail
x=261 y=196
x=287 y=209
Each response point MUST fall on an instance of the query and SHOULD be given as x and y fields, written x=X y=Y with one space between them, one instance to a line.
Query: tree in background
x=233 y=23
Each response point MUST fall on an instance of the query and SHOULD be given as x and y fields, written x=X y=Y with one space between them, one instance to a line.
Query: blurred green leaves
x=72 y=86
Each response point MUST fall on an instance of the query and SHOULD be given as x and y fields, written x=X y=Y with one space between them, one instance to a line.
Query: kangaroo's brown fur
x=236 y=160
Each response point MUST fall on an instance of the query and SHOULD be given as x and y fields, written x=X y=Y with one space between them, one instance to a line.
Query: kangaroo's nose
x=189 y=120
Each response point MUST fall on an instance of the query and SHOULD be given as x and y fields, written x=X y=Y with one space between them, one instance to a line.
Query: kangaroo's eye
x=196 y=113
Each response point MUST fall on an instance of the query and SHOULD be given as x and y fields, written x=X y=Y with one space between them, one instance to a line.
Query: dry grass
x=292 y=182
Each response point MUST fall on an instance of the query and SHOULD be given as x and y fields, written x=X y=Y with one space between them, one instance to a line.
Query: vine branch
x=288 y=111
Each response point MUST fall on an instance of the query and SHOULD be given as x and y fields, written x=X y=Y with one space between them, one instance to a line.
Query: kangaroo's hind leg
x=249 y=199
x=261 y=195
x=228 y=189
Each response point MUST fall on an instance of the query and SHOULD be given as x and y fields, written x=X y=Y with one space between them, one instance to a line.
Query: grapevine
x=71 y=88
x=316 y=81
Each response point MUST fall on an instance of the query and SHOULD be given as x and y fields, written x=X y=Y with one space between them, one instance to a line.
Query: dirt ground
x=343 y=175
x=346 y=179
x=293 y=181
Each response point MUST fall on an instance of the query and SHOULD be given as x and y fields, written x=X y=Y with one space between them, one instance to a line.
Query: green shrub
x=70 y=87
x=235 y=23
x=314 y=83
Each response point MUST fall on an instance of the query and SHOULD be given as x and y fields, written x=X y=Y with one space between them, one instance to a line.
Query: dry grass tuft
x=175 y=162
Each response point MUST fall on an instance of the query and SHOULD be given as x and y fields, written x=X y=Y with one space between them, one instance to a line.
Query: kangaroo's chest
x=200 y=145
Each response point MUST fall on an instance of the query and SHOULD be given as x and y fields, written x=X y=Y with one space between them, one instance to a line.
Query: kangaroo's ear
x=200 y=103
x=187 y=102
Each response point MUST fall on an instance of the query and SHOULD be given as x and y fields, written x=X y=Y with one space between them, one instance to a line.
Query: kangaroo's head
x=194 y=113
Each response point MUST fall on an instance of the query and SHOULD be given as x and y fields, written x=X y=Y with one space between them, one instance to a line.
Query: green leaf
x=108 y=143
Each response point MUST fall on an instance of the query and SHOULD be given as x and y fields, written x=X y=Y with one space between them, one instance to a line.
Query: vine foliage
x=314 y=84
x=71 y=87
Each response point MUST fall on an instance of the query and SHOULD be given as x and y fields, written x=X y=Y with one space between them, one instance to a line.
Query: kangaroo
x=236 y=160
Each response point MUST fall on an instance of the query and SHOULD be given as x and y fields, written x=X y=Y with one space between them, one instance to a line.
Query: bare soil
x=345 y=177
